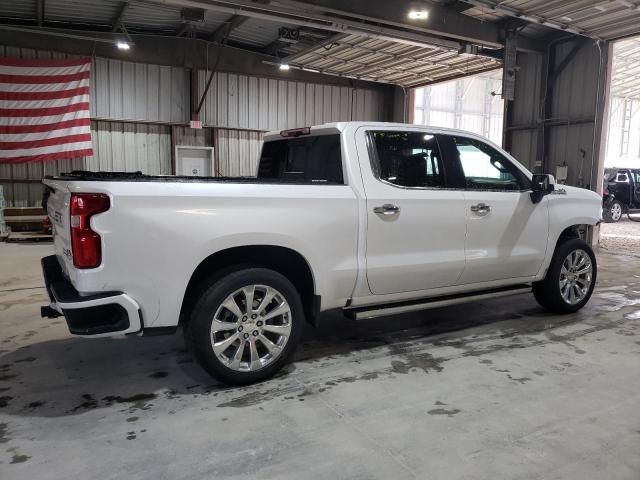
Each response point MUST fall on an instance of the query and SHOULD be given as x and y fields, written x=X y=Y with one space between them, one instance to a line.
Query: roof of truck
x=340 y=126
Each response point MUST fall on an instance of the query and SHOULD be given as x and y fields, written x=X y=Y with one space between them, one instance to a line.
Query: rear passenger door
x=506 y=233
x=415 y=223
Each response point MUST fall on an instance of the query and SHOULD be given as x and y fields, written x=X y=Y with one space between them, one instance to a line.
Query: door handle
x=387 y=209
x=481 y=209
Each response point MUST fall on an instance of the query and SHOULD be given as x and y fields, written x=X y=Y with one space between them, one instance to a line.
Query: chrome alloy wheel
x=576 y=277
x=616 y=211
x=251 y=328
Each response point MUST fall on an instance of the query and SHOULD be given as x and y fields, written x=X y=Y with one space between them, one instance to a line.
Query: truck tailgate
x=57 y=205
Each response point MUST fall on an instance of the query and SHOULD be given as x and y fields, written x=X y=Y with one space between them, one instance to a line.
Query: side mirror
x=541 y=185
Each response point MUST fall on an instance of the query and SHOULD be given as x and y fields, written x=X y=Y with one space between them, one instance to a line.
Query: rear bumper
x=103 y=313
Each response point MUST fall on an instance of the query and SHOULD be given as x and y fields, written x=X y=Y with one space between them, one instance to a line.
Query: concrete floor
x=623 y=236
x=497 y=389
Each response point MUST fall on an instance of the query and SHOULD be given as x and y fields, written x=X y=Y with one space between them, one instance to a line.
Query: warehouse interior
x=493 y=389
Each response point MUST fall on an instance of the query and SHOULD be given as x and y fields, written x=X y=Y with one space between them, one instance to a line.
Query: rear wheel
x=570 y=279
x=613 y=212
x=246 y=325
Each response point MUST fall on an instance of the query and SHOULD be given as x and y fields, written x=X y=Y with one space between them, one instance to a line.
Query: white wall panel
x=136 y=91
x=237 y=152
x=130 y=147
x=245 y=102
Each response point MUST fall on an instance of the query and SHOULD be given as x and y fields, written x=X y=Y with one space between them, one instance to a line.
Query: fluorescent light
x=419 y=14
x=428 y=137
x=284 y=66
x=123 y=45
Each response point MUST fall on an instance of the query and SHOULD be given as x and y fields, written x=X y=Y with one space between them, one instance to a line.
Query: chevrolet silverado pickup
x=370 y=218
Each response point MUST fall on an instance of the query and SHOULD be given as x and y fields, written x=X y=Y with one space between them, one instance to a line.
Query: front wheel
x=613 y=212
x=245 y=326
x=570 y=279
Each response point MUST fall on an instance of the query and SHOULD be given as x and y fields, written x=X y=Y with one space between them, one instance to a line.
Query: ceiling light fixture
x=284 y=67
x=123 y=46
x=419 y=14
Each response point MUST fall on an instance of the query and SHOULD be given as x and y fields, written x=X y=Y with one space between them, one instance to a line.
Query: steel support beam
x=443 y=21
x=555 y=73
x=303 y=15
x=40 y=12
x=231 y=24
x=224 y=30
x=183 y=29
x=522 y=15
x=117 y=22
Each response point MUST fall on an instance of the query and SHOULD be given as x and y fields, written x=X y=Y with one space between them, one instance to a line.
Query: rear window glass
x=316 y=159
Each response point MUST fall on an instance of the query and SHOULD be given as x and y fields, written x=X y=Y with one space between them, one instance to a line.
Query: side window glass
x=407 y=159
x=485 y=168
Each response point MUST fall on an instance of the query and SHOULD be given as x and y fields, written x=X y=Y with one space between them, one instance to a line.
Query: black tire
x=547 y=291
x=197 y=329
x=608 y=215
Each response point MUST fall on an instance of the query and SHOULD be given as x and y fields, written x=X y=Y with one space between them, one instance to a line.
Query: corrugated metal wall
x=120 y=146
x=574 y=141
x=237 y=152
x=572 y=122
x=521 y=129
x=139 y=91
x=243 y=106
x=252 y=103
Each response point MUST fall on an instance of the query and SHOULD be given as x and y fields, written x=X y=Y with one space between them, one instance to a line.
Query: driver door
x=506 y=234
x=636 y=189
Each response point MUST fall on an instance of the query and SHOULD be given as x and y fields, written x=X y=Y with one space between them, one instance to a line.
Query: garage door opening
x=621 y=190
x=470 y=103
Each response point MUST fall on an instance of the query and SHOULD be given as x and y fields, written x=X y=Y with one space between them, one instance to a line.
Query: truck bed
x=88 y=176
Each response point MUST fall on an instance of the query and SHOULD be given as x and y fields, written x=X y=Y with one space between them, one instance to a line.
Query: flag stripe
x=43 y=87
x=26 y=79
x=37 y=71
x=44 y=62
x=60 y=102
x=60 y=132
x=11 y=121
x=11 y=154
x=46 y=142
x=41 y=157
x=45 y=127
x=44 y=95
x=38 y=112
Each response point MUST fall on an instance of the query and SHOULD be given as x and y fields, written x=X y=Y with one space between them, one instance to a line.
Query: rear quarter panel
x=157 y=233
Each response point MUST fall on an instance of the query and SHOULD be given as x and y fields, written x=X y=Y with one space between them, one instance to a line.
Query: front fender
x=575 y=207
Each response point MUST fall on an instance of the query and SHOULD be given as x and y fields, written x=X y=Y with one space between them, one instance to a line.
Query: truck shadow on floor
x=73 y=376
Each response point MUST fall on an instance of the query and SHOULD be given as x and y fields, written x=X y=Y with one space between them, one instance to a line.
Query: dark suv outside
x=621 y=193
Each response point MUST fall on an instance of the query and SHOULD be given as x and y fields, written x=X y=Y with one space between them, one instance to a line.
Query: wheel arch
x=286 y=261
x=581 y=229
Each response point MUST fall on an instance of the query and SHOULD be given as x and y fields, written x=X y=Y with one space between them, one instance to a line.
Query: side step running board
x=364 y=313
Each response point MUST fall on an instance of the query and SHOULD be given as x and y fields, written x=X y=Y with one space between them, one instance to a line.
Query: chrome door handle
x=481 y=209
x=387 y=209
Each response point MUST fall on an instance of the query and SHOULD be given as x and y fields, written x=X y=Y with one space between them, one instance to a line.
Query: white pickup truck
x=370 y=218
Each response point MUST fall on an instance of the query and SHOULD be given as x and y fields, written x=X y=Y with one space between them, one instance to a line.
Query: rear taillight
x=85 y=243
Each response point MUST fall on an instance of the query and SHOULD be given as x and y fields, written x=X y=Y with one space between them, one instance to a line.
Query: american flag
x=44 y=109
